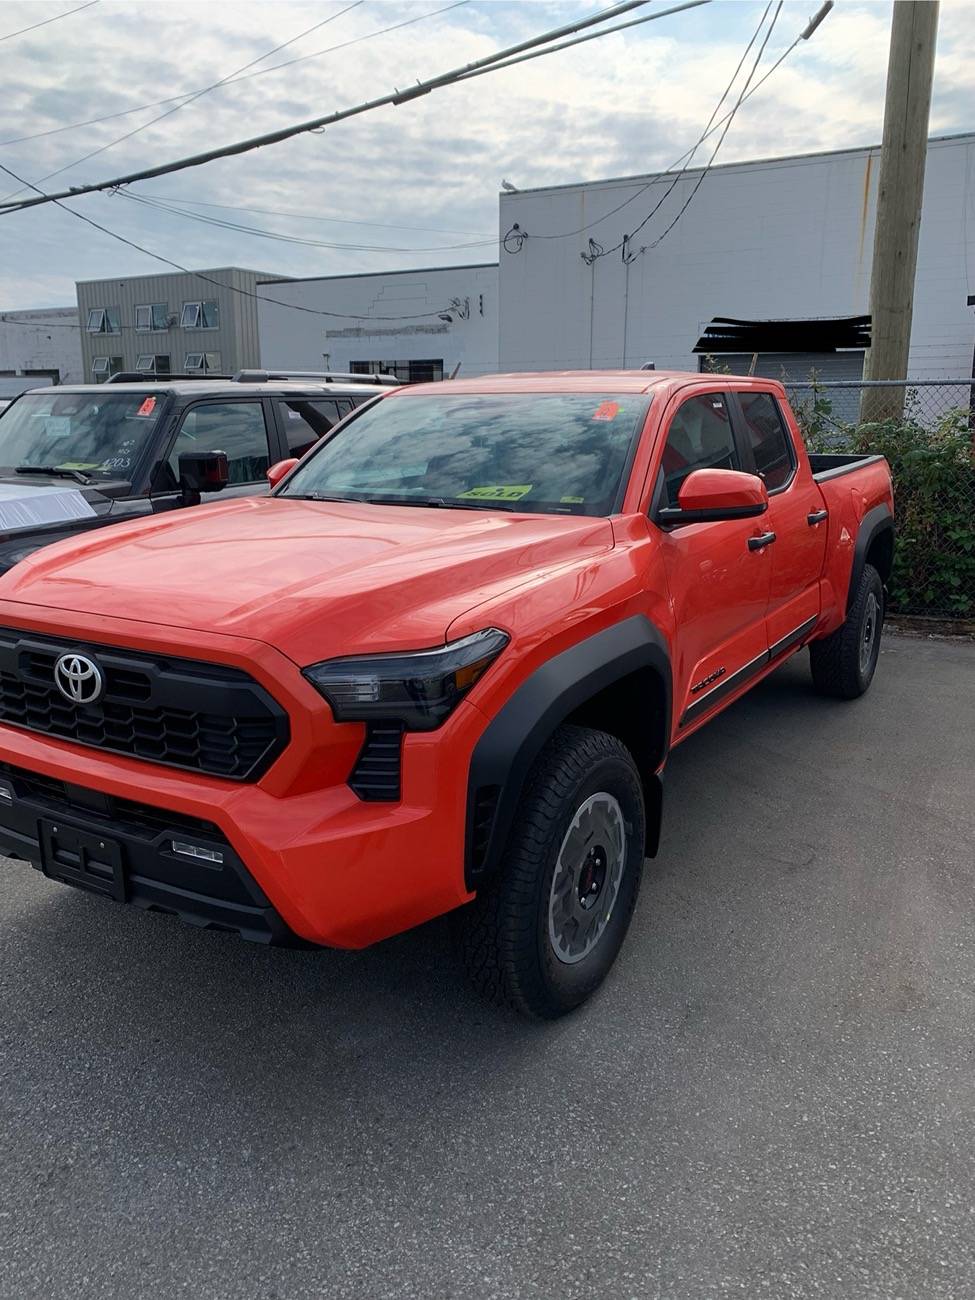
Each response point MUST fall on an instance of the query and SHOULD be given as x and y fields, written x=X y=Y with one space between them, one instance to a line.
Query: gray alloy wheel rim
x=871 y=627
x=587 y=878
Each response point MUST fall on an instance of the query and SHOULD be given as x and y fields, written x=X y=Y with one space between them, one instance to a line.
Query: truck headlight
x=419 y=688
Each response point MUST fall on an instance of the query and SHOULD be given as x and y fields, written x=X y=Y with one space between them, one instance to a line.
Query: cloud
x=626 y=104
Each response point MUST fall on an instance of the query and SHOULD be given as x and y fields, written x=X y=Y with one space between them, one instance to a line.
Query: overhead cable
x=393 y=99
x=44 y=21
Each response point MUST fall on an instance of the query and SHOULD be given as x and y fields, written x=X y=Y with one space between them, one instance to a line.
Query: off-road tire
x=507 y=948
x=838 y=667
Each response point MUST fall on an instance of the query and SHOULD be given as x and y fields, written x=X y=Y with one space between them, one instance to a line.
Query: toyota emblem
x=79 y=679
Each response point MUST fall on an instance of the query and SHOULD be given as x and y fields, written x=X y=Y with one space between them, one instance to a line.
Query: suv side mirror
x=708 y=495
x=203 y=471
x=282 y=467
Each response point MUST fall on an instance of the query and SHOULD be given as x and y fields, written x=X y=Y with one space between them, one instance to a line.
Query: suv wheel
x=542 y=936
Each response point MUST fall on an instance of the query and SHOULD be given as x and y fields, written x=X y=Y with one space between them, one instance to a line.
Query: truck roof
x=564 y=381
x=202 y=387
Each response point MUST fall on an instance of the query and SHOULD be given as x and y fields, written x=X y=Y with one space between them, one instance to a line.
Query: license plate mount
x=91 y=862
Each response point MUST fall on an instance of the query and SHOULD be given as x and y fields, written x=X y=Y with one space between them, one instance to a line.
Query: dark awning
x=725 y=334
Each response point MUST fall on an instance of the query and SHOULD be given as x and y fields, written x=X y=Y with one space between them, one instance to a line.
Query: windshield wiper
x=439 y=503
x=57 y=470
x=314 y=496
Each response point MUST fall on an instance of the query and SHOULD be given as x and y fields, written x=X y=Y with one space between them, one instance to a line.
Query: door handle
x=759 y=543
x=817 y=517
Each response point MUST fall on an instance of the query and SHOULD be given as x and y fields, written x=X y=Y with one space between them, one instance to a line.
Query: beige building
x=170 y=324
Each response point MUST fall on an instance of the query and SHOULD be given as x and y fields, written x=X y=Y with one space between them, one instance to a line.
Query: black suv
x=75 y=457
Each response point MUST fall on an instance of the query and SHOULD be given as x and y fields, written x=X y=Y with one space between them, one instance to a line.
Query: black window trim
x=740 y=426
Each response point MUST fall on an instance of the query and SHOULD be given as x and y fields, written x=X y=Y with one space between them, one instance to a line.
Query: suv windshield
x=101 y=435
x=562 y=453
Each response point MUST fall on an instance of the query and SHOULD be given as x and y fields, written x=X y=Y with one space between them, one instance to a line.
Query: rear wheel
x=844 y=663
x=542 y=935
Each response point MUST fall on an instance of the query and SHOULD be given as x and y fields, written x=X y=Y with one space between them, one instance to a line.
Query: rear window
x=104 y=435
x=564 y=453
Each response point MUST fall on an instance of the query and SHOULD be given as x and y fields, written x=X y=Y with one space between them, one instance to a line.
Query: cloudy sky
x=411 y=186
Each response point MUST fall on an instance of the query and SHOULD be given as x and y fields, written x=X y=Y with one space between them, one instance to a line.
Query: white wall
x=294 y=340
x=768 y=240
x=46 y=339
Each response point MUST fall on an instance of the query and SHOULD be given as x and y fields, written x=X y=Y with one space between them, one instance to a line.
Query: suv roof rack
x=149 y=377
x=326 y=377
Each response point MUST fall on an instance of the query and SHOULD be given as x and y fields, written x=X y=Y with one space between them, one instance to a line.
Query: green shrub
x=934 y=501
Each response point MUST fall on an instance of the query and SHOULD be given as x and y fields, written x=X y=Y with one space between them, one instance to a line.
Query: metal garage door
x=797 y=366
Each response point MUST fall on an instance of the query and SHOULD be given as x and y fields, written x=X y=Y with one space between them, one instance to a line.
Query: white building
x=419 y=325
x=779 y=241
x=39 y=347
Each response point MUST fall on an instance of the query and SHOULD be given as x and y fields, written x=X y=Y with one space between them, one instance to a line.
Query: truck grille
x=202 y=717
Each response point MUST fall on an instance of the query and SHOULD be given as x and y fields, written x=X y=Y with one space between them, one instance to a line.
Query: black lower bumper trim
x=77 y=835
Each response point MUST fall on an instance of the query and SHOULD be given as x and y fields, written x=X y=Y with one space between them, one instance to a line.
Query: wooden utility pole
x=910 y=71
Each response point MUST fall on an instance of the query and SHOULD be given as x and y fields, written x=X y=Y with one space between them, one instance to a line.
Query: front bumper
x=124 y=849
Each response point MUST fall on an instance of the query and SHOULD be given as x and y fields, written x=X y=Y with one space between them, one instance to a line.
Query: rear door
x=796 y=515
x=719 y=587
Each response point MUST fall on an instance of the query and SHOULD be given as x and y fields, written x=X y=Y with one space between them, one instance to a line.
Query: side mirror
x=708 y=495
x=278 y=471
x=203 y=471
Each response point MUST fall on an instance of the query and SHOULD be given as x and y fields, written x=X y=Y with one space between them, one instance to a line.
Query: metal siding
x=796 y=366
x=235 y=340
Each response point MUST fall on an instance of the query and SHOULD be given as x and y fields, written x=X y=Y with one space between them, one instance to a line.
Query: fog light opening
x=198 y=852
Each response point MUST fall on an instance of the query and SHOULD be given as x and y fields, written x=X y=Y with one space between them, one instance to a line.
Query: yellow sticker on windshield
x=499 y=492
x=78 y=464
x=571 y=501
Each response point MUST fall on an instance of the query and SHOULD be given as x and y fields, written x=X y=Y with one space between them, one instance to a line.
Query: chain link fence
x=926 y=429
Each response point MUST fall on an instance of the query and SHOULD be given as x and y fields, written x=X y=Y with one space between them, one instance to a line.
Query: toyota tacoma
x=440 y=667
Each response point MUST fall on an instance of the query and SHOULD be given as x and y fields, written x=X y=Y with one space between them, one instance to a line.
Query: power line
x=700 y=180
x=195 y=96
x=290 y=63
x=315 y=216
x=518 y=236
x=280 y=237
x=596 y=250
x=220 y=284
x=394 y=99
x=34 y=26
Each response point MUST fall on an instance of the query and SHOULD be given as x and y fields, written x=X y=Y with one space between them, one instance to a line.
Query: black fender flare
x=875 y=522
x=513 y=739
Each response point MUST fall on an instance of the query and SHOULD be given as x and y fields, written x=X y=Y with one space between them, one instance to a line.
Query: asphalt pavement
x=772 y=1096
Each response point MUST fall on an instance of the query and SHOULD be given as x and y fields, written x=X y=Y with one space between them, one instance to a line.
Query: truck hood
x=314 y=579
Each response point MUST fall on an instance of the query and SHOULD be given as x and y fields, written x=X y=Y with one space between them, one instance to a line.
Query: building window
x=102 y=367
x=156 y=364
x=202 y=361
x=203 y=315
x=104 y=320
x=152 y=316
x=409 y=372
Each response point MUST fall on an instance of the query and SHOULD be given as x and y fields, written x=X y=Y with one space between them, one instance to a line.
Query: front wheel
x=542 y=936
x=843 y=664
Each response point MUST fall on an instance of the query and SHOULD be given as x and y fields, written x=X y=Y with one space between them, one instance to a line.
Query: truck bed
x=827 y=465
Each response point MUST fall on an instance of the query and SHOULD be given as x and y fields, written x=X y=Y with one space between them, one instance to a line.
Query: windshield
x=95 y=434
x=562 y=453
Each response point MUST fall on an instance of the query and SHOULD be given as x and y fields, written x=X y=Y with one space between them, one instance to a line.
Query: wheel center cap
x=592 y=877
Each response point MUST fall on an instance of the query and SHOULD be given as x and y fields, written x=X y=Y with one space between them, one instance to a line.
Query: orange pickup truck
x=441 y=666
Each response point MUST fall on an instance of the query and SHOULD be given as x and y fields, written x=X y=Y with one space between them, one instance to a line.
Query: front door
x=719 y=587
x=795 y=514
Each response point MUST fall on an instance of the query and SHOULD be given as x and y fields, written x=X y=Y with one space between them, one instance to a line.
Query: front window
x=152 y=316
x=204 y=315
x=305 y=421
x=104 y=320
x=236 y=428
x=699 y=437
x=101 y=434
x=559 y=453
